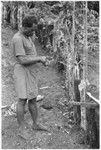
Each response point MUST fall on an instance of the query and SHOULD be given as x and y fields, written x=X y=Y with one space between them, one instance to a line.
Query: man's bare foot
x=39 y=98
x=23 y=133
x=39 y=127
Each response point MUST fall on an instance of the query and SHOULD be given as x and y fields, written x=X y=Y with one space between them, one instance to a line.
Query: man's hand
x=46 y=60
x=43 y=59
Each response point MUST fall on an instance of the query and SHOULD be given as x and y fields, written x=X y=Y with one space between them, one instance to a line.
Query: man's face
x=28 y=31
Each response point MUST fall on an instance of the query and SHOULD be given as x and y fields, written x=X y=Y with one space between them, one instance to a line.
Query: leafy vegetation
x=61 y=32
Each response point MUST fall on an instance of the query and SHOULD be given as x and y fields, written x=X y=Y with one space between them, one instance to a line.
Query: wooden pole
x=73 y=42
x=83 y=92
x=70 y=61
x=82 y=104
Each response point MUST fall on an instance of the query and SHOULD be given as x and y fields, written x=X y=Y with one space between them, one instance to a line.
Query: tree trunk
x=13 y=19
x=20 y=12
x=4 y=14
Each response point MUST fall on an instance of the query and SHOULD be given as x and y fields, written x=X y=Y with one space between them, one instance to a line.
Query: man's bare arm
x=27 y=59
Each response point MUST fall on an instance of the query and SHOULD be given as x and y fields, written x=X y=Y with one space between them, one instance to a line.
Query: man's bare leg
x=20 y=111
x=33 y=110
x=20 y=118
x=34 y=113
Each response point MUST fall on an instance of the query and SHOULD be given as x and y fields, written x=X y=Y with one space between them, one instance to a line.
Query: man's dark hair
x=28 y=21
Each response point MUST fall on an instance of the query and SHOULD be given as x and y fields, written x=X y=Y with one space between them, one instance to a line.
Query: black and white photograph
x=50 y=74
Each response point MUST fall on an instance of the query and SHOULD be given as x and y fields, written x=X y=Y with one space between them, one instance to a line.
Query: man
x=26 y=59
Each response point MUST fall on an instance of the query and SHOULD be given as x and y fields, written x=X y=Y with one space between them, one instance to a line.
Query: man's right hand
x=43 y=59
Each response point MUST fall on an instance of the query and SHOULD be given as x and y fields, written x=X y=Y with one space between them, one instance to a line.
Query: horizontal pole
x=92 y=34
x=80 y=9
x=85 y=104
x=90 y=26
x=93 y=98
x=6 y=106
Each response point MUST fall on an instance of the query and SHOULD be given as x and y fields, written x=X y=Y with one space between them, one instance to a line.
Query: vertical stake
x=83 y=93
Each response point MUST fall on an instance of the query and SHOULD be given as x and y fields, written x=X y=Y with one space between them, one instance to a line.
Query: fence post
x=70 y=61
x=83 y=93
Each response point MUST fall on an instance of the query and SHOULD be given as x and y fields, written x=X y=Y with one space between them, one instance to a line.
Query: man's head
x=29 y=24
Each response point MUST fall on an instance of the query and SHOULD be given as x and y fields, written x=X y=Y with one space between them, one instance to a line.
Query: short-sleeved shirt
x=24 y=75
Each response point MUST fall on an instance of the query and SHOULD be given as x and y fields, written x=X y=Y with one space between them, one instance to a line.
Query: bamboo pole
x=73 y=46
x=93 y=98
x=83 y=92
x=54 y=38
x=83 y=104
x=70 y=58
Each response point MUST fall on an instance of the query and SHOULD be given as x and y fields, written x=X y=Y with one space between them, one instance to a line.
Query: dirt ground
x=54 y=118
